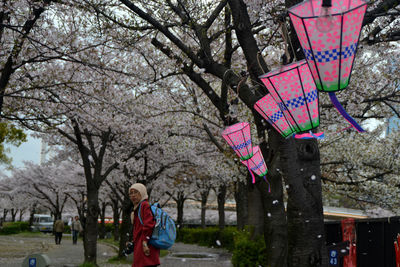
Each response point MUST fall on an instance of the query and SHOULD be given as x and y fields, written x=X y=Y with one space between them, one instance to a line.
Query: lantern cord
x=285 y=39
x=343 y=112
x=252 y=175
x=269 y=185
x=290 y=41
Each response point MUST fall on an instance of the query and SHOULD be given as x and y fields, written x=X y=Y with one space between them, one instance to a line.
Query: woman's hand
x=146 y=248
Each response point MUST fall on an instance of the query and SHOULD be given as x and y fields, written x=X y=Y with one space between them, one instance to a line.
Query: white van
x=42 y=222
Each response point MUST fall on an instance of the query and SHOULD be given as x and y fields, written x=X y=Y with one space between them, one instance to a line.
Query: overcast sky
x=28 y=151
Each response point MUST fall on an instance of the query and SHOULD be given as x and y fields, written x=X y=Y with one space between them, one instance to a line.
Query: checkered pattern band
x=276 y=116
x=299 y=101
x=331 y=55
x=238 y=147
x=257 y=166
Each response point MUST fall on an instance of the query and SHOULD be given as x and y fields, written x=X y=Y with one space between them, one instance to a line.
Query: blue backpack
x=164 y=232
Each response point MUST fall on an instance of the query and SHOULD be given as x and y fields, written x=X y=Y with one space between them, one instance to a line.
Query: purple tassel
x=341 y=110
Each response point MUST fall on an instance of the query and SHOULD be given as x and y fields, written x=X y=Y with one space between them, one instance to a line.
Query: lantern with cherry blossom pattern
x=293 y=89
x=238 y=137
x=328 y=32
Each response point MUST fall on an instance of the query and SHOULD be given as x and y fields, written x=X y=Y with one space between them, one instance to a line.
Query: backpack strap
x=140 y=207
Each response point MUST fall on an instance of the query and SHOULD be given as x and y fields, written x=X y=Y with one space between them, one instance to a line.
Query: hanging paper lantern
x=328 y=33
x=293 y=89
x=270 y=111
x=257 y=165
x=239 y=138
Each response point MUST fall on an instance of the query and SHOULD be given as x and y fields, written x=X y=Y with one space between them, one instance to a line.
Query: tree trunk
x=116 y=218
x=21 y=213
x=240 y=195
x=306 y=238
x=5 y=211
x=91 y=230
x=13 y=214
x=204 y=197
x=32 y=211
x=102 y=226
x=255 y=210
x=221 y=196
x=180 y=202
x=125 y=233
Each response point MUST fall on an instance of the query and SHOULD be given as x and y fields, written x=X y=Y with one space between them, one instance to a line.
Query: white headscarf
x=143 y=193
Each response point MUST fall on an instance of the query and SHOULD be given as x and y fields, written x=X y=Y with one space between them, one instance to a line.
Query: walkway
x=13 y=250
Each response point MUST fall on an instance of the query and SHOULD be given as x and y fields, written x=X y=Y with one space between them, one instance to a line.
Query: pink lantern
x=270 y=111
x=293 y=89
x=328 y=32
x=239 y=138
x=257 y=165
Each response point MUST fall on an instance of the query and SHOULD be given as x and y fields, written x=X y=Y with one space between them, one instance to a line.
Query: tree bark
x=255 y=210
x=180 y=202
x=102 y=226
x=221 y=197
x=240 y=195
x=306 y=238
x=115 y=209
x=13 y=214
x=90 y=244
x=204 y=197
x=126 y=225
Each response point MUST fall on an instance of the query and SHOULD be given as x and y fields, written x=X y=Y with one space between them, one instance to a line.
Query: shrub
x=10 y=228
x=246 y=252
x=67 y=229
x=109 y=227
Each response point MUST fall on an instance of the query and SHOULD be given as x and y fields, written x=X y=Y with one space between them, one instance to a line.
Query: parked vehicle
x=42 y=222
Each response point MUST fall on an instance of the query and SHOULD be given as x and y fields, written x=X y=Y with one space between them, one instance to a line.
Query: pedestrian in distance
x=76 y=228
x=58 y=230
x=144 y=254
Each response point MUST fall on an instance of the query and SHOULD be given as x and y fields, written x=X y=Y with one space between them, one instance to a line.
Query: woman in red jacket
x=144 y=254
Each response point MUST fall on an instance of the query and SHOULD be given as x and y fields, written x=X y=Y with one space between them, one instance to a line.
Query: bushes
x=246 y=252
x=10 y=228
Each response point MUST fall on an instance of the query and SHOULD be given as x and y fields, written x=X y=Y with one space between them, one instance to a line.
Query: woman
x=144 y=254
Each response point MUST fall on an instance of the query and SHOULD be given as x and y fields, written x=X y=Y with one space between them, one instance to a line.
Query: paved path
x=13 y=250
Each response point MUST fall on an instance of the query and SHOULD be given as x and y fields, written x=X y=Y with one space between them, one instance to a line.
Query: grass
x=29 y=234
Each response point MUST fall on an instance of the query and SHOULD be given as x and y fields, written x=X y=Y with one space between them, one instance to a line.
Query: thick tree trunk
x=204 y=197
x=221 y=197
x=255 y=210
x=102 y=226
x=306 y=238
x=180 y=202
x=5 y=211
x=240 y=195
x=90 y=244
x=32 y=211
x=13 y=214
x=116 y=218
x=21 y=213
x=275 y=226
x=125 y=233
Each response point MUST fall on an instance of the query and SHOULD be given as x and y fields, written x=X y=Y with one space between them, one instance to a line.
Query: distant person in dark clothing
x=58 y=230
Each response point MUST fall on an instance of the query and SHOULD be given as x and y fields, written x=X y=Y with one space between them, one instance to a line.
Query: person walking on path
x=58 y=229
x=76 y=228
x=144 y=254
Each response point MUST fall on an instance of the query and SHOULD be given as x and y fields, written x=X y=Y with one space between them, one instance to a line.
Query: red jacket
x=143 y=232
